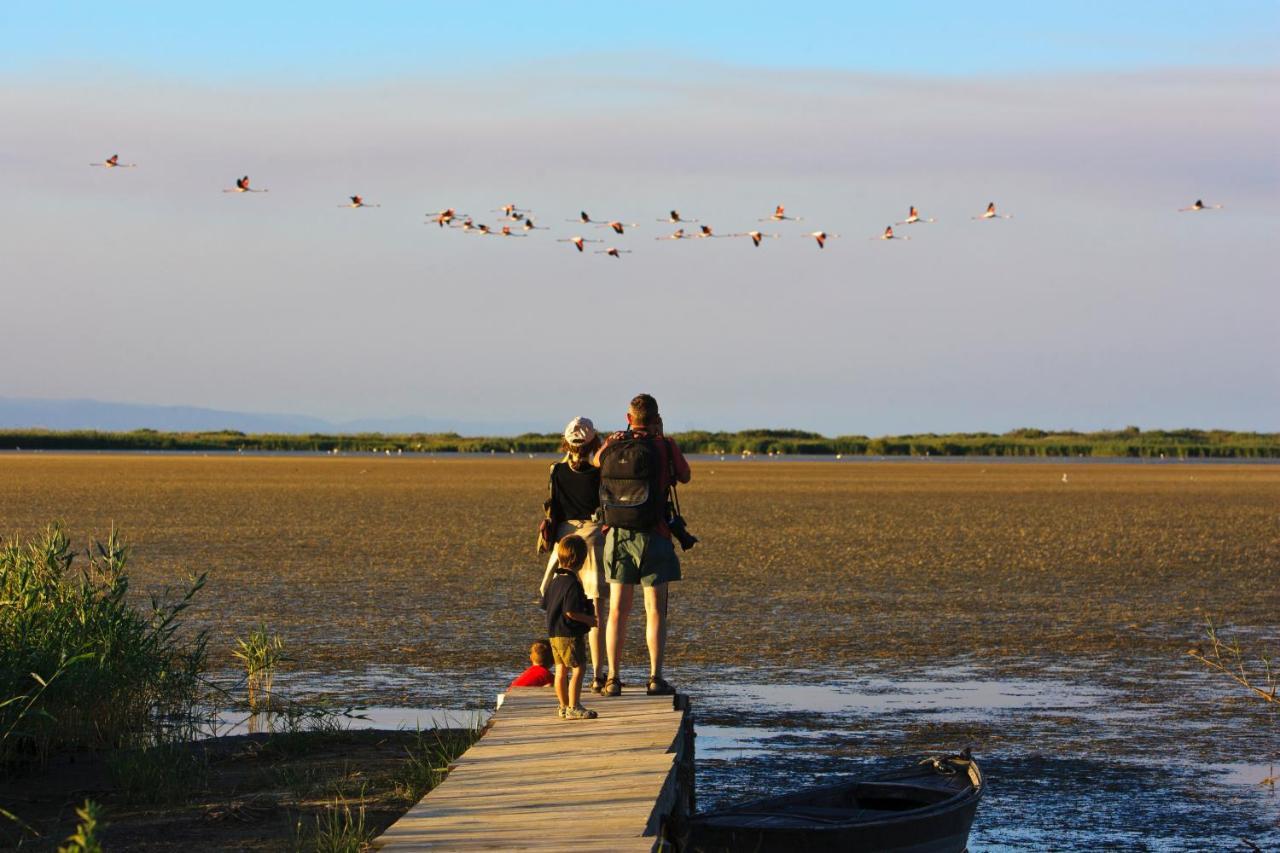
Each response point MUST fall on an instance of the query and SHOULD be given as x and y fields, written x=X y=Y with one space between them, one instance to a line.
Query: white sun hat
x=579 y=432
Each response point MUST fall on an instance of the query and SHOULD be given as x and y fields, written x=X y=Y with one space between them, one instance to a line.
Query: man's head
x=643 y=411
x=571 y=553
x=540 y=653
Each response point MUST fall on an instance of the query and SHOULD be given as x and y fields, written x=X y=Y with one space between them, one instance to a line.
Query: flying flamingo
x=618 y=227
x=467 y=225
x=779 y=214
x=444 y=217
x=242 y=186
x=512 y=212
x=529 y=226
x=677 y=234
x=506 y=232
x=586 y=220
x=113 y=162
x=913 y=218
x=578 y=241
x=1198 y=206
x=990 y=213
x=674 y=218
x=889 y=235
x=705 y=231
x=358 y=201
x=821 y=237
x=756 y=236
x=613 y=253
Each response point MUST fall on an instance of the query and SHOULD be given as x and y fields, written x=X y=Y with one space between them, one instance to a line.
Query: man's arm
x=679 y=464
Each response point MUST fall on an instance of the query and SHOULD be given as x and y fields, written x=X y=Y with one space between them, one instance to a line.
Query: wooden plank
x=535 y=782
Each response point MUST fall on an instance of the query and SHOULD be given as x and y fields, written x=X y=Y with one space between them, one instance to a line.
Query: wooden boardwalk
x=534 y=782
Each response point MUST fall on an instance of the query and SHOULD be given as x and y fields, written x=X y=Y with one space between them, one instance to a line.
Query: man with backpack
x=638 y=468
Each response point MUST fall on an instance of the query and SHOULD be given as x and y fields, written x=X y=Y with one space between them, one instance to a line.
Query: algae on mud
x=410 y=580
x=429 y=562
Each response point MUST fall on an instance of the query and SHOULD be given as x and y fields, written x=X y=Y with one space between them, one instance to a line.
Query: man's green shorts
x=633 y=556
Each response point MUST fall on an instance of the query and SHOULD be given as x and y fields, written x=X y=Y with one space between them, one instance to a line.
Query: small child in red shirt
x=538 y=674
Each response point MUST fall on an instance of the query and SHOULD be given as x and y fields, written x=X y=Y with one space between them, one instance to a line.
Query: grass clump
x=429 y=758
x=81 y=666
x=261 y=653
x=338 y=829
x=85 y=838
x=158 y=774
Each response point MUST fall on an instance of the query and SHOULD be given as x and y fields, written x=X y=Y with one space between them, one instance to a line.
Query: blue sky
x=1098 y=305
x=330 y=40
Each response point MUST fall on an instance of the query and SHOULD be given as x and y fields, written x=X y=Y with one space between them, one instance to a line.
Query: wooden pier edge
x=677 y=800
x=637 y=795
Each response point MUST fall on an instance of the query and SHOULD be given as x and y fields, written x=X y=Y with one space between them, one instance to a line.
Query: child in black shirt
x=569 y=617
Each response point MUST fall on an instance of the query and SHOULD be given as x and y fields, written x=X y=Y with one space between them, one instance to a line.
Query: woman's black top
x=577 y=492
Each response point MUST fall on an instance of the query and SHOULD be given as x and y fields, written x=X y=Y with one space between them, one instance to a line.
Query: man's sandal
x=612 y=687
x=658 y=686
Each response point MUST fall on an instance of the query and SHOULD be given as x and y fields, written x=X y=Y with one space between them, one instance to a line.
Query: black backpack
x=629 y=483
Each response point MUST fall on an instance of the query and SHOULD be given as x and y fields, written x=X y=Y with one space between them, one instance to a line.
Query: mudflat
x=429 y=561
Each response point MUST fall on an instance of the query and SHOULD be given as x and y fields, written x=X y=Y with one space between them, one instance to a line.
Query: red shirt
x=667 y=449
x=534 y=676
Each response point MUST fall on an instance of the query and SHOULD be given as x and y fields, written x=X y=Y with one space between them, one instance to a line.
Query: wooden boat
x=927 y=808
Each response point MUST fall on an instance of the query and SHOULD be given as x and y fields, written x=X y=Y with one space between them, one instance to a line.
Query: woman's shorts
x=632 y=556
x=569 y=651
x=592 y=572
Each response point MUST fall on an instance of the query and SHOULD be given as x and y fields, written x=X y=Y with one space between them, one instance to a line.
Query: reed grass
x=85 y=838
x=429 y=759
x=116 y=671
x=261 y=653
x=1128 y=442
x=338 y=828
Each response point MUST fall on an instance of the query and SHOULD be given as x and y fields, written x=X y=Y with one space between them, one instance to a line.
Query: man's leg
x=595 y=638
x=655 y=627
x=619 y=609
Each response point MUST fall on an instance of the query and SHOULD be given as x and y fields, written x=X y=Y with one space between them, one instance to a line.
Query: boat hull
x=927 y=809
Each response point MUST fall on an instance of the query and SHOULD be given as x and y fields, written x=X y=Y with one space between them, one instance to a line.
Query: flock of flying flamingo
x=449 y=217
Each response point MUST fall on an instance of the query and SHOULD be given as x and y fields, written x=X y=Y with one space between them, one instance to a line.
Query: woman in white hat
x=575 y=500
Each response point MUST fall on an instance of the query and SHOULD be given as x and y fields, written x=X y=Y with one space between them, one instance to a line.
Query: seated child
x=537 y=675
x=569 y=617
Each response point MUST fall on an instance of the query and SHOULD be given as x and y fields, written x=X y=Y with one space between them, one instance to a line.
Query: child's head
x=540 y=654
x=571 y=553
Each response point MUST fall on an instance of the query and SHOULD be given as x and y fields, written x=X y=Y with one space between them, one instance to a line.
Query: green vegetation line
x=1129 y=442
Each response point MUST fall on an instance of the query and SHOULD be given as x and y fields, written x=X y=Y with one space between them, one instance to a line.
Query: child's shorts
x=569 y=651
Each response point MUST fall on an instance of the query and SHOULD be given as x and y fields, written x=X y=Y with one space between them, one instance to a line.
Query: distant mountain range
x=33 y=413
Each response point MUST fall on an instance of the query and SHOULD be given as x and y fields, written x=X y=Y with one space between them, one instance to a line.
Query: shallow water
x=1087 y=756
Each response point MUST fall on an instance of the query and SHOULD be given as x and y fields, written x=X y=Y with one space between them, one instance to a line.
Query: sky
x=1098 y=305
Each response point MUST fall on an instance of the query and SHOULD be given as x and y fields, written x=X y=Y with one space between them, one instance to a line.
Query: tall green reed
x=121 y=671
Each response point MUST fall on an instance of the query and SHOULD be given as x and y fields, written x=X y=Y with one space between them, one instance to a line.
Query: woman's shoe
x=597 y=684
x=612 y=687
x=560 y=712
x=579 y=713
x=658 y=686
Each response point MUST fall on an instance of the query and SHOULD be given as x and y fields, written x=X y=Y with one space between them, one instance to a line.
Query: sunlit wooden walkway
x=537 y=782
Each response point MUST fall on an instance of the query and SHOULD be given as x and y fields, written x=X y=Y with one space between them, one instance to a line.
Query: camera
x=681 y=532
